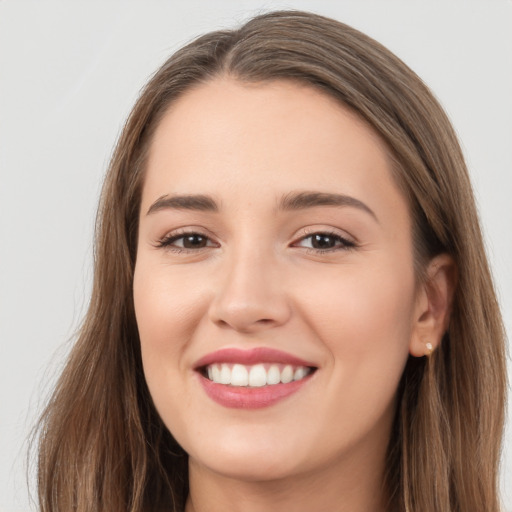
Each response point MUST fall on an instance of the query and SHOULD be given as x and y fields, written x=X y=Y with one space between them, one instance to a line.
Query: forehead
x=225 y=135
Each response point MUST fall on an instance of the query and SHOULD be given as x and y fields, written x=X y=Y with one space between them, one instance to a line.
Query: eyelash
x=344 y=244
x=167 y=241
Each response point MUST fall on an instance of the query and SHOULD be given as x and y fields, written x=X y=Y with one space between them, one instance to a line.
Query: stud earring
x=430 y=348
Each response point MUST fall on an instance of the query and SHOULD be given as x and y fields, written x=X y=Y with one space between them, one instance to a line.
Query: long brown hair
x=102 y=445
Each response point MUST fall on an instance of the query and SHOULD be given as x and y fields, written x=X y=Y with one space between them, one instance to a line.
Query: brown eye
x=194 y=241
x=186 y=241
x=325 y=242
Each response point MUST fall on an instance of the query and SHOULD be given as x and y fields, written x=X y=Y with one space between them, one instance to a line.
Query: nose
x=251 y=296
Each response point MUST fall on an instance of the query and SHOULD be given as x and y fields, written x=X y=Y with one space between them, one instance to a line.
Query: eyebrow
x=290 y=202
x=303 y=200
x=185 y=202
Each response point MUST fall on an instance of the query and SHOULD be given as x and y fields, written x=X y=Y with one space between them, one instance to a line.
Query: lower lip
x=250 y=398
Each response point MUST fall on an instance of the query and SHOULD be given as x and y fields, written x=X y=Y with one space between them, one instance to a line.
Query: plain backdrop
x=69 y=74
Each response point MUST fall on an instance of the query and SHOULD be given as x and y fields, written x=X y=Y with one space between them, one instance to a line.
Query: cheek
x=366 y=330
x=363 y=316
x=168 y=309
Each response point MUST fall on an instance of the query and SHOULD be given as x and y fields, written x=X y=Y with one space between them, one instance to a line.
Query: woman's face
x=273 y=245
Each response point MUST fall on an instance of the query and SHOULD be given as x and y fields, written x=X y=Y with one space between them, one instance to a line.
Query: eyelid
x=166 y=241
x=348 y=241
x=325 y=230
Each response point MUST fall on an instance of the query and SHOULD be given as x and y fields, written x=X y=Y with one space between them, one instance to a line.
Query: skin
x=356 y=311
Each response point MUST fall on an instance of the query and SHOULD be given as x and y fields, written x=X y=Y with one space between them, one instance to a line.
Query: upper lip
x=250 y=357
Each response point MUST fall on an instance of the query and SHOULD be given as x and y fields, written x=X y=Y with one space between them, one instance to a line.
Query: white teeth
x=255 y=376
x=273 y=375
x=300 y=373
x=287 y=374
x=215 y=373
x=225 y=374
x=239 y=375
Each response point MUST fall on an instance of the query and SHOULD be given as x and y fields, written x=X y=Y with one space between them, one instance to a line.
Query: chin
x=248 y=467
x=238 y=458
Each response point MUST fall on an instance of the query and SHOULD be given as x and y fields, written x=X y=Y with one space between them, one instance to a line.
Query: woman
x=292 y=308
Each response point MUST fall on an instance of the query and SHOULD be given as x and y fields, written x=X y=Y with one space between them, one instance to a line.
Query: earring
x=430 y=349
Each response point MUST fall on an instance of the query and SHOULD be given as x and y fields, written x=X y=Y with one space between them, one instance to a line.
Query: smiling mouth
x=252 y=379
x=255 y=376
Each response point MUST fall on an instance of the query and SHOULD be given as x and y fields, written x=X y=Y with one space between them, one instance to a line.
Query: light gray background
x=69 y=74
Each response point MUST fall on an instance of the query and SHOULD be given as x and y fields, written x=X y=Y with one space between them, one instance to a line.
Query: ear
x=433 y=306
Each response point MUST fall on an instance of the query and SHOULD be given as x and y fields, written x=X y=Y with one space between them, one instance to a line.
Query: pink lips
x=247 y=357
x=246 y=397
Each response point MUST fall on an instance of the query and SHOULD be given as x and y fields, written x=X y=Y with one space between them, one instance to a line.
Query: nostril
x=248 y=313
